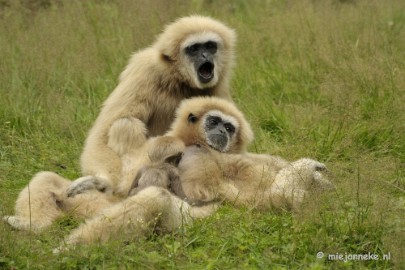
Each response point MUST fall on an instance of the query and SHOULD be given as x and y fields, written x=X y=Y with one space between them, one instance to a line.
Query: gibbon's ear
x=167 y=58
x=192 y=118
x=175 y=159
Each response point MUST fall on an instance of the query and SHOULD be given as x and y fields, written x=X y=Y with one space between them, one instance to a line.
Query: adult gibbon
x=192 y=57
x=214 y=168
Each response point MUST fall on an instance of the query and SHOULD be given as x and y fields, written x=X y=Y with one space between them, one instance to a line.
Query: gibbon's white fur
x=153 y=208
x=183 y=133
x=208 y=177
x=47 y=195
x=202 y=107
x=44 y=200
x=257 y=180
x=151 y=87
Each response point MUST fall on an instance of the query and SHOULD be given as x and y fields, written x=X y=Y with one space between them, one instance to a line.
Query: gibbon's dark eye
x=213 y=122
x=193 y=49
x=230 y=128
x=211 y=46
x=192 y=118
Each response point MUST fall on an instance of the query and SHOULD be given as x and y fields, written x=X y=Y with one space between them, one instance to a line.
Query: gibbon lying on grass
x=214 y=168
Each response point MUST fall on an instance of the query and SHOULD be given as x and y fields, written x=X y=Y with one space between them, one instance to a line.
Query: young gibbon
x=214 y=168
x=192 y=57
x=209 y=121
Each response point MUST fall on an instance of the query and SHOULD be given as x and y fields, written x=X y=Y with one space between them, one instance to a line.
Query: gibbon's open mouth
x=206 y=72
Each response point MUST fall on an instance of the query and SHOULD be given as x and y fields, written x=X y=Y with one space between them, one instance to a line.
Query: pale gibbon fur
x=192 y=57
x=46 y=196
x=208 y=177
x=183 y=133
x=259 y=181
x=51 y=191
x=44 y=200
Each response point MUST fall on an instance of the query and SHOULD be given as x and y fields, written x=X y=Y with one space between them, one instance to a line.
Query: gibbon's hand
x=84 y=183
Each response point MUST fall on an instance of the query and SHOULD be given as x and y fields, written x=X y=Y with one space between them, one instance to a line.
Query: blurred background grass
x=322 y=79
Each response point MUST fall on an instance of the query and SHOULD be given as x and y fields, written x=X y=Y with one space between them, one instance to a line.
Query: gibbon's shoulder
x=141 y=62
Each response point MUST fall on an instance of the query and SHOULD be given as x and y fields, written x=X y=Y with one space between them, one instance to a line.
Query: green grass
x=320 y=79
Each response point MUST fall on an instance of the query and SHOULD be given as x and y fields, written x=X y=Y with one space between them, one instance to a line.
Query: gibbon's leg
x=125 y=135
x=152 y=208
x=36 y=207
x=293 y=182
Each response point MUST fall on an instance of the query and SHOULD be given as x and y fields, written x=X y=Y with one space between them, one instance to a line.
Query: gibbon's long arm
x=124 y=135
x=108 y=143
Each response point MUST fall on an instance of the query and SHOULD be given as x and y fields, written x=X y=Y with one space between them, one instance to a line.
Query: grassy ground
x=322 y=79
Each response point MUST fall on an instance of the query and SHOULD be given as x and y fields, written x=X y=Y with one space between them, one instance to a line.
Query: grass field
x=320 y=79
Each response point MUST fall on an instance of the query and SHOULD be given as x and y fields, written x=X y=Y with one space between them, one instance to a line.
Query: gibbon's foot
x=22 y=223
x=318 y=171
x=84 y=183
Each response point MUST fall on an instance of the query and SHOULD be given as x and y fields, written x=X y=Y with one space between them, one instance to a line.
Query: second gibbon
x=47 y=195
x=214 y=168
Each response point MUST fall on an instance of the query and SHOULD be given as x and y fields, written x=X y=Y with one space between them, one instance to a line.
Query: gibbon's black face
x=218 y=128
x=202 y=55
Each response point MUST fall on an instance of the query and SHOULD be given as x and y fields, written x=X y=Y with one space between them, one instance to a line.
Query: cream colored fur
x=152 y=209
x=255 y=180
x=207 y=177
x=151 y=87
x=44 y=199
x=180 y=134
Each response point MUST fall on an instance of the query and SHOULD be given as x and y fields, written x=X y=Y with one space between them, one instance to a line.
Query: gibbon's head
x=212 y=122
x=200 y=50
